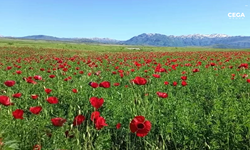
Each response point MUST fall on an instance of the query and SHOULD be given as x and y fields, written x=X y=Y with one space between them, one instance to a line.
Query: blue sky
x=122 y=19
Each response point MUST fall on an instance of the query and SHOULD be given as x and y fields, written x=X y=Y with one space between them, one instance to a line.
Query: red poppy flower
x=17 y=95
x=96 y=102
x=66 y=79
x=19 y=72
x=166 y=83
x=105 y=84
x=173 y=67
x=18 y=114
x=78 y=120
x=94 y=115
x=121 y=75
x=52 y=100
x=118 y=125
x=5 y=100
x=183 y=83
x=74 y=90
x=212 y=64
x=116 y=84
x=195 y=70
x=184 y=77
x=37 y=147
x=29 y=80
x=93 y=84
x=10 y=83
x=47 y=90
x=36 y=110
x=248 y=80
x=8 y=67
x=156 y=75
x=65 y=69
x=100 y=123
x=162 y=70
x=244 y=75
x=58 y=122
x=140 y=81
x=174 y=83
x=243 y=65
x=140 y=126
x=34 y=96
x=52 y=76
x=37 y=77
x=162 y=94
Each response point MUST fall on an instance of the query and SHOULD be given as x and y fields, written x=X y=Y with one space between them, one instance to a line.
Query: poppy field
x=79 y=99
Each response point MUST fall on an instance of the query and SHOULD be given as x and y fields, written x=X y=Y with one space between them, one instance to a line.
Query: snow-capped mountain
x=209 y=40
x=200 y=36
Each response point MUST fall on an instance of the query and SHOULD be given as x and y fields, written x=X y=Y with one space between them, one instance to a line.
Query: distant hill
x=105 y=40
x=51 y=38
x=154 y=39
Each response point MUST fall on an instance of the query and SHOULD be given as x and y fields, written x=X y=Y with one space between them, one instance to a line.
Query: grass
x=100 y=47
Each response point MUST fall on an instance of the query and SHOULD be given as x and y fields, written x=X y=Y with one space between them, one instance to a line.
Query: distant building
x=133 y=48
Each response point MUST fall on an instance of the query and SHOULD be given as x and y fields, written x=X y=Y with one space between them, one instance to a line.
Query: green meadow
x=60 y=95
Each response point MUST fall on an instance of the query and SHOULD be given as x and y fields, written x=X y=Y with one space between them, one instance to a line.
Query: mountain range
x=207 y=40
x=155 y=39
